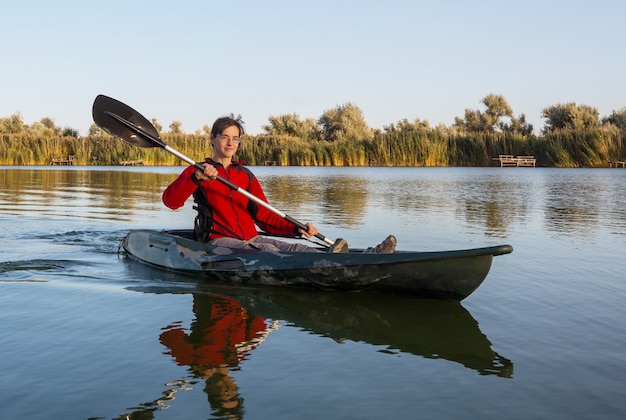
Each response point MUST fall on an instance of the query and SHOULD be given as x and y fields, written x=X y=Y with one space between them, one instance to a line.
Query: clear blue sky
x=193 y=61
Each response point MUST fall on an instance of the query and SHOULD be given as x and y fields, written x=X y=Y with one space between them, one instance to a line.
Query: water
x=87 y=334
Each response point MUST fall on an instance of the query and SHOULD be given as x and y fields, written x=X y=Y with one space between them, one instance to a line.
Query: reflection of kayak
x=432 y=329
x=449 y=275
x=429 y=328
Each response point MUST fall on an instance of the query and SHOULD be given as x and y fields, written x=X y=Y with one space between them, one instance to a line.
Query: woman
x=227 y=218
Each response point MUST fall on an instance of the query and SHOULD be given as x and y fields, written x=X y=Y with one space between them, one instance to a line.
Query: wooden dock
x=62 y=162
x=138 y=162
x=516 y=161
x=617 y=164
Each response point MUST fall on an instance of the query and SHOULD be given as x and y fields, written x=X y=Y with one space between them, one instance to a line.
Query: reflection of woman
x=221 y=335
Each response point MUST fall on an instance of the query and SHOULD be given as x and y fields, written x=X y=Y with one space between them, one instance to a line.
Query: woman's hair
x=224 y=122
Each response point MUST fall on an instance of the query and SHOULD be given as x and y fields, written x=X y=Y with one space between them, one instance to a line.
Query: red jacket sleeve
x=177 y=193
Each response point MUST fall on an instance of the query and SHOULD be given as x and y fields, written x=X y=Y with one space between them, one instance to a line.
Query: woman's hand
x=209 y=174
x=311 y=230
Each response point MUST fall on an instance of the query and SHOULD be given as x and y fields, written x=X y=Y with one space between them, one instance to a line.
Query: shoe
x=388 y=246
x=340 y=246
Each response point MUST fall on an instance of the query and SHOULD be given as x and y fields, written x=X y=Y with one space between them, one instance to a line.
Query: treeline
x=574 y=136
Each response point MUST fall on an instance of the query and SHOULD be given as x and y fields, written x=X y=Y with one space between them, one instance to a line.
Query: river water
x=87 y=334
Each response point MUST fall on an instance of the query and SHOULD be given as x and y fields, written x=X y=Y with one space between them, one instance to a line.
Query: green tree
x=617 y=118
x=488 y=120
x=70 y=132
x=497 y=109
x=498 y=116
x=50 y=127
x=94 y=130
x=292 y=125
x=517 y=125
x=157 y=126
x=13 y=124
x=570 y=116
x=345 y=122
x=176 y=127
x=405 y=126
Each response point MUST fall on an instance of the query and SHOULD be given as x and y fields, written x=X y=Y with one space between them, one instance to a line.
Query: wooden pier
x=138 y=162
x=516 y=161
x=617 y=164
x=63 y=162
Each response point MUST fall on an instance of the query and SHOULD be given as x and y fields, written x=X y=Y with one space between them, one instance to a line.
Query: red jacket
x=233 y=214
x=221 y=334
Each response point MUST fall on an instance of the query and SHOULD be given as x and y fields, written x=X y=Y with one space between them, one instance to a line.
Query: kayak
x=450 y=275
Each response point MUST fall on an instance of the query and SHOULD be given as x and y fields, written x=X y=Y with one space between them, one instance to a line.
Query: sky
x=194 y=61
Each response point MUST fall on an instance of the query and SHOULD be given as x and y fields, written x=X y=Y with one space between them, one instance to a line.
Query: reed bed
x=429 y=147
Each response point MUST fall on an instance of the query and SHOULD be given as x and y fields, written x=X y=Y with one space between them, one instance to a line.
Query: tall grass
x=428 y=147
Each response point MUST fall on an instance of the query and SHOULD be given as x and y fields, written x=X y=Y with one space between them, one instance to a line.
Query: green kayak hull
x=450 y=275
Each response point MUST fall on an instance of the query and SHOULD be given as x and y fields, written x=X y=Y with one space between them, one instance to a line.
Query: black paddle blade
x=120 y=120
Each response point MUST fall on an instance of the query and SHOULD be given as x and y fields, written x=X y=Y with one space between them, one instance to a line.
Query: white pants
x=261 y=242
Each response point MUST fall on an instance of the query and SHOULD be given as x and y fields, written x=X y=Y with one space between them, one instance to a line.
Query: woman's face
x=225 y=145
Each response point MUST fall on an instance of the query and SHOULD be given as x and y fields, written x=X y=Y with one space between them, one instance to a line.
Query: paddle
x=122 y=121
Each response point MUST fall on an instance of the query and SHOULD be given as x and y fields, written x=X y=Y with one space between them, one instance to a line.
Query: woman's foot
x=388 y=246
x=340 y=246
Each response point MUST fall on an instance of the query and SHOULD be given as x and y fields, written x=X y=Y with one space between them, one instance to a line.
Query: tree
x=617 y=118
x=13 y=124
x=70 y=132
x=570 y=116
x=49 y=124
x=497 y=108
x=517 y=126
x=497 y=117
x=345 y=122
x=94 y=130
x=490 y=119
x=404 y=126
x=156 y=125
x=292 y=125
x=176 y=127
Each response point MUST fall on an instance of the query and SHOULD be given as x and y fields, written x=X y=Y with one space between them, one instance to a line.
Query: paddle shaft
x=158 y=142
